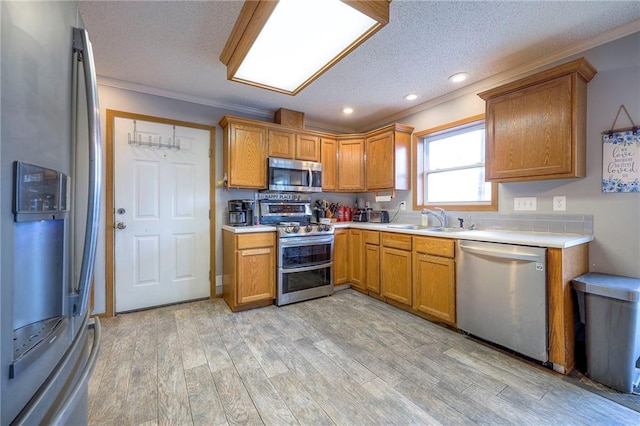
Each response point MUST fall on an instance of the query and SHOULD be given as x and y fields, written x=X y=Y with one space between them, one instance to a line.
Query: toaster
x=379 y=216
x=360 y=215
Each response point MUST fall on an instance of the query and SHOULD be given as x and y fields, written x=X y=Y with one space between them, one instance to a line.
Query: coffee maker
x=241 y=212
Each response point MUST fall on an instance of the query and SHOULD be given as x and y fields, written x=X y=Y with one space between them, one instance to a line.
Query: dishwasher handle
x=502 y=254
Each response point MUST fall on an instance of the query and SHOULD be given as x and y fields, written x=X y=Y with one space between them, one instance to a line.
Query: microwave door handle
x=310 y=178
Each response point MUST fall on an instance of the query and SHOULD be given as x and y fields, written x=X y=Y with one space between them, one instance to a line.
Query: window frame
x=419 y=167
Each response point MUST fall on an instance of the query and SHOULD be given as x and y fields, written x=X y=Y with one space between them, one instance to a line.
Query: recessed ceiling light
x=347 y=110
x=411 y=97
x=459 y=77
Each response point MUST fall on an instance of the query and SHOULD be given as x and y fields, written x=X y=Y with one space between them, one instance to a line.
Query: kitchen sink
x=426 y=228
x=408 y=227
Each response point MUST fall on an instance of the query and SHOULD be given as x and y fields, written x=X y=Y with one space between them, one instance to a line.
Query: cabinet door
x=434 y=286
x=281 y=144
x=247 y=156
x=329 y=158
x=379 y=168
x=351 y=165
x=307 y=147
x=256 y=270
x=355 y=259
x=395 y=267
x=340 y=247
x=372 y=268
x=529 y=132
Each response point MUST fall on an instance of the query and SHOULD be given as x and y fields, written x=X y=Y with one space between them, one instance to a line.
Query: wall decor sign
x=621 y=158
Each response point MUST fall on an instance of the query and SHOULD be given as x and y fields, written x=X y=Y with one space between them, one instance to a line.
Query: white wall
x=616 y=248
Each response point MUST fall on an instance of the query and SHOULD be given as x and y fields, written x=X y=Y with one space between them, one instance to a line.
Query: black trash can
x=610 y=311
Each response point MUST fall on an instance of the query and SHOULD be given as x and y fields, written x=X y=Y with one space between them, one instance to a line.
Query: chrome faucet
x=441 y=216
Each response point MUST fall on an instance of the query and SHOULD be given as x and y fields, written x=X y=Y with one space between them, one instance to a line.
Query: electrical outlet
x=525 y=203
x=559 y=203
x=403 y=205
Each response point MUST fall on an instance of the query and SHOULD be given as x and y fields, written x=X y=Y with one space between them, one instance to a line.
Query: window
x=450 y=167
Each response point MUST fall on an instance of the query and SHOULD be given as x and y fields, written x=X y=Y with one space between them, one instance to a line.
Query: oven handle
x=305 y=241
x=307 y=268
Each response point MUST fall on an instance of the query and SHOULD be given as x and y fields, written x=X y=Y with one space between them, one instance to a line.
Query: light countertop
x=538 y=239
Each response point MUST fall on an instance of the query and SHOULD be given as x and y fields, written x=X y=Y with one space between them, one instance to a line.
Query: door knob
x=121 y=211
x=121 y=225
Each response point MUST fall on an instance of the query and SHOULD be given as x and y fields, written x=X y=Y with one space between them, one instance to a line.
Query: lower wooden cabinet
x=434 y=288
x=249 y=269
x=371 y=261
x=355 y=259
x=340 y=250
x=395 y=267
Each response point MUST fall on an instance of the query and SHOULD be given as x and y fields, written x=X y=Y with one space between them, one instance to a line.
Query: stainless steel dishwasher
x=502 y=295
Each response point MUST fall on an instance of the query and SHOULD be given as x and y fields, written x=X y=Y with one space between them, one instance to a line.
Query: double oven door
x=304 y=268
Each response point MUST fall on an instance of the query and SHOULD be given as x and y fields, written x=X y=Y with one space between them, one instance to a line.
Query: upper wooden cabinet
x=307 y=147
x=329 y=159
x=289 y=144
x=373 y=161
x=245 y=154
x=281 y=144
x=536 y=126
x=351 y=174
x=388 y=158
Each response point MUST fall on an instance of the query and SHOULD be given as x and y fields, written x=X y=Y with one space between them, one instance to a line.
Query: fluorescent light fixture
x=411 y=97
x=347 y=110
x=284 y=45
x=459 y=77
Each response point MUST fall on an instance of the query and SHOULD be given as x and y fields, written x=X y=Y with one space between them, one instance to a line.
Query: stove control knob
x=308 y=228
x=296 y=229
x=327 y=227
x=322 y=227
x=288 y=229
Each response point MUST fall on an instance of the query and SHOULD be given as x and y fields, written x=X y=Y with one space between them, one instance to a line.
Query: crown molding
x=515 y=73
x=150 y=90
x=267 y=115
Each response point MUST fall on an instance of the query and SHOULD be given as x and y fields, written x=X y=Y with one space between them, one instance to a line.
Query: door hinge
x=209 y=152
x=209 y=214
x=209 y=276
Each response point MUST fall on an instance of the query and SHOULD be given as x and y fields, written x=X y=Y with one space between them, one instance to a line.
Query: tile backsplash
x=555 y=223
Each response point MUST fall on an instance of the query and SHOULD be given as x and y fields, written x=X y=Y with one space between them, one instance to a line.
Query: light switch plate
x=525 y=203
x=559 y=203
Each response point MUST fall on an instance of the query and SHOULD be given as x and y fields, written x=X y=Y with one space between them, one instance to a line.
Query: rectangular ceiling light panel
x=300 y=40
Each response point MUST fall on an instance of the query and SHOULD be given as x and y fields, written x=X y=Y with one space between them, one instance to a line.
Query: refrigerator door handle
x=82 y=46
x=68 y=405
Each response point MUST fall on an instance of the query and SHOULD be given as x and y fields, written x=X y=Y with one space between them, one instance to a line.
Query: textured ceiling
x=173 y=48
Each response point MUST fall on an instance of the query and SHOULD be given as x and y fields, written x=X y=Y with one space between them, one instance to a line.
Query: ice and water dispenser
x=41 y=204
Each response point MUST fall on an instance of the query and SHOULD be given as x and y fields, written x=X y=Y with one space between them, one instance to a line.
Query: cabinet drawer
x=436 y=246
x=398 y=241
x=262 y=239
x=372 y=237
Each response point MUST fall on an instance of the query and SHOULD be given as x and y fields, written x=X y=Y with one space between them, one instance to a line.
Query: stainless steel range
x=305 y=250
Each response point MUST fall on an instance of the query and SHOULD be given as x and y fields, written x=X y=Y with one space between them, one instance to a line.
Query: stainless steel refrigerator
x=50 y=184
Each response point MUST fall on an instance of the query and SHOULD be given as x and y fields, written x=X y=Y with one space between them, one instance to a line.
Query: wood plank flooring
x=346 y=359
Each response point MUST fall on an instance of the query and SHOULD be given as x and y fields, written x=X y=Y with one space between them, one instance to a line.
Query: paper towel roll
x=383 y=198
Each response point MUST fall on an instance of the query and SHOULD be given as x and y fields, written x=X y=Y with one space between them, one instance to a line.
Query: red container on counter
x=340 y=217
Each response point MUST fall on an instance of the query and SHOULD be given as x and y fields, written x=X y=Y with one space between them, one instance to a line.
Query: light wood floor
x=345 y=359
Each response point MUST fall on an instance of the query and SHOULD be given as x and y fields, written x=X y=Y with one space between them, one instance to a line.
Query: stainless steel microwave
x=294 y=175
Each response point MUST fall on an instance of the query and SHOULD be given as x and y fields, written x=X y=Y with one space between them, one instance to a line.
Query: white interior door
x=161 y=214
